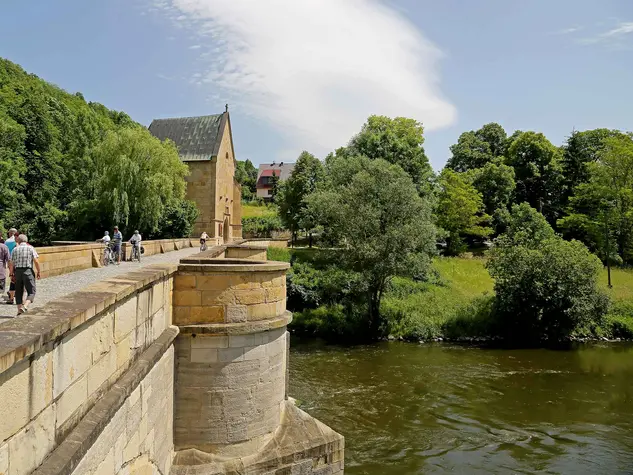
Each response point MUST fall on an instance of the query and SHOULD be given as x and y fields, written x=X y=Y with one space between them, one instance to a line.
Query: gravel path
x=56 y=287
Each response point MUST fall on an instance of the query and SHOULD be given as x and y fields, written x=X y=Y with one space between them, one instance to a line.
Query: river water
x=412 y=409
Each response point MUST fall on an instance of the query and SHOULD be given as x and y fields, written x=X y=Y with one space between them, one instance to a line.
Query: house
x=265 y=177
x=205 y=144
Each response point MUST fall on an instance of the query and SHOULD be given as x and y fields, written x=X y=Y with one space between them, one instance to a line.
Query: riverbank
x=454 y=304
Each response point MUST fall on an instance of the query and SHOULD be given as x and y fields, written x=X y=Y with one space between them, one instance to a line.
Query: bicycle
x=136 y=252
x=109 y=256
x=203 y=245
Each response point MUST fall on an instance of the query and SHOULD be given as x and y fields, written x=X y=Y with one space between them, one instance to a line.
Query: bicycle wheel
x=105 y=260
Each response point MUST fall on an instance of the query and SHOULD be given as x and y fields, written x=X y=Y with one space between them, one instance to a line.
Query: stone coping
x=24 y=335
x=65 y=458
x=266 y=239
x=210 y=265
x=63 y=246
x=243 y=328
x=247 y=246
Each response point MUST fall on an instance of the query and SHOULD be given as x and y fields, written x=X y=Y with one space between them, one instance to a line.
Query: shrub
x=545 y=290
x=261 y=226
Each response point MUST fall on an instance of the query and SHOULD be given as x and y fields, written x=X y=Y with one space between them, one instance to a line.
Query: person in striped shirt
x=25 y=268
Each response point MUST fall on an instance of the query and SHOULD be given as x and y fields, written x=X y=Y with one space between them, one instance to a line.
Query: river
x=411 y=409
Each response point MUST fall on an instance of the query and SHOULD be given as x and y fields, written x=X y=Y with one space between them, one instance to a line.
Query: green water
x=412 y=409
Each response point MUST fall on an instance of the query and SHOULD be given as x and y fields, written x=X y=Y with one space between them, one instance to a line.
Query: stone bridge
x=178 y=366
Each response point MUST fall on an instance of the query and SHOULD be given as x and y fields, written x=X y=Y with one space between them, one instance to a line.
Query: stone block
x=101 y=371
x=230 y=354
x=158 y=297
x=32 y=444
x=125 y=319
x=204 y=355
x=274 y=294
x=213 y=314
x=106 y=467
x=124 y=350
x=255 y=353
x=218 y=297
x=213 y=282
x=184 y=282
x=143 y=305
x=102 y=336
x=41 y=381
x=262 y=311
x=241 y=341
x=181 y=315
x=187 y=298
x=202 y=341
x=72 y=358
x=71 y=399
x=132 y=448
x=250 y=296
x=4 y=459
x=236 y=314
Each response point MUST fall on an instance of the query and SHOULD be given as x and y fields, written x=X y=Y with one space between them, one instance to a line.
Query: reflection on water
x=412 y=409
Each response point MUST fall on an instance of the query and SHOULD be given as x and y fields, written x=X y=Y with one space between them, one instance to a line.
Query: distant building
x=205 y=144
x=265 y=177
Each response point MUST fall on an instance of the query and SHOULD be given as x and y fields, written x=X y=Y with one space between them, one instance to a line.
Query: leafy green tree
x=545 y=288
x=306 y=176
x=495 y=182
x=537 y=169
x=475 y=149
x=460 y=211
x=580 y=150
x=246 y=175
x=525 y=226
x=399 y=141
x=374 y=214
x=601 y=210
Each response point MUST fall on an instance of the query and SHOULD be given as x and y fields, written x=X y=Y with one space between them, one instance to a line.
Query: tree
x=374 y=214
x=545 y=287
x=537 y=169
x=495 y=182
x=601 y=210
x=475 y=149
x=580 y=150
x=246 y=175
x=399 y=141
x=305 y=178
x=460 y=211
x=274 y=187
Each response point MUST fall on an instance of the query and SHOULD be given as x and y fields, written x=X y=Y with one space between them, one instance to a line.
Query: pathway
x=53 y=288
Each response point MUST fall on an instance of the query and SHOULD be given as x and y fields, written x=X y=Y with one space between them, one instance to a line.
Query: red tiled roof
x=269 y=172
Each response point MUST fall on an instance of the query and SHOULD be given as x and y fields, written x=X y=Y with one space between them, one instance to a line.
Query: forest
x=70 y=169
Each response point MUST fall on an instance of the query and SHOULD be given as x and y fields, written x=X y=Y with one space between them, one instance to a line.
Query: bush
x=619 y=322
x=261 y=226
x=281 y=254
x=546 y=290
x=335 y=323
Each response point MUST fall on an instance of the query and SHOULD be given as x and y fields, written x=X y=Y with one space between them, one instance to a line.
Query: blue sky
x=305 y=74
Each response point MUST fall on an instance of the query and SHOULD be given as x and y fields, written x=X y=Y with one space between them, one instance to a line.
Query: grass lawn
x=256 y=211
x=622 y=281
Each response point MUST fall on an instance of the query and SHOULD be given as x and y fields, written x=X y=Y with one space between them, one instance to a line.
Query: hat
x=116 y=227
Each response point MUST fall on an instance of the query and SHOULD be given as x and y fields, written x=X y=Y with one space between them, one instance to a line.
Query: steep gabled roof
x=197 y=138
x=282 y=170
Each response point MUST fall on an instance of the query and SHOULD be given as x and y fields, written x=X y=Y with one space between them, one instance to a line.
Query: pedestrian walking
x=25 y=269
x=10 y=243
x=117 y=238
x=5 y=257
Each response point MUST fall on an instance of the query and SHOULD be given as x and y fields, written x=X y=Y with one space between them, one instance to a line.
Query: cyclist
x=135 y=240
x=105 y=238
x=203 y=241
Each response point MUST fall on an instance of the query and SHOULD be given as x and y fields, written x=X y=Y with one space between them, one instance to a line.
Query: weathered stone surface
x=31 y=445
x=14 y=394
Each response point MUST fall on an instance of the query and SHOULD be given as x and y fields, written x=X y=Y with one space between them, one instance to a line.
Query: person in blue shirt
x=117 y=238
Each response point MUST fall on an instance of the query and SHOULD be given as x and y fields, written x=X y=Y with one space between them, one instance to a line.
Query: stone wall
x=57 y=362
x=201 y=190
x=58 y=260
x=267 y=242
x=257 y=253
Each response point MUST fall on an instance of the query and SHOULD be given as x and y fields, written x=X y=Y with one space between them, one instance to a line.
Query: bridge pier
x=231 y=405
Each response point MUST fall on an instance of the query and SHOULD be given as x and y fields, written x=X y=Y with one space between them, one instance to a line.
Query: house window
x=270 y=192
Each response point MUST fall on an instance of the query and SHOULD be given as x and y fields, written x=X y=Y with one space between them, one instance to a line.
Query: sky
x=306 y=74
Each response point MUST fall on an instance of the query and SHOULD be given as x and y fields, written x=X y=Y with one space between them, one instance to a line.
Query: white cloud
x=568 y=31
x=195 y=47
x=316 y=69
x=614 y=37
